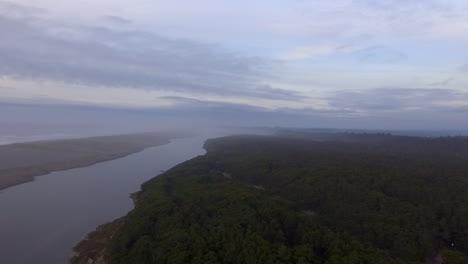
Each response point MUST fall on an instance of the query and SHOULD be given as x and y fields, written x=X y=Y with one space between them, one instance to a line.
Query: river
x=41 y=221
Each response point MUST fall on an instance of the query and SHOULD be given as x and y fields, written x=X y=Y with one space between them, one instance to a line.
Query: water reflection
x=41 y=221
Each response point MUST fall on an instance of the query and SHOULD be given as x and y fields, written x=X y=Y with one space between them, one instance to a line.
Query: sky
x=387 y=64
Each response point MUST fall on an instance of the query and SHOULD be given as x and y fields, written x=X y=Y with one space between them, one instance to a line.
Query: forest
x=300 y=197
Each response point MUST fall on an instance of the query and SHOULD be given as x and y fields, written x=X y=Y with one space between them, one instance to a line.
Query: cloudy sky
x=338 y=63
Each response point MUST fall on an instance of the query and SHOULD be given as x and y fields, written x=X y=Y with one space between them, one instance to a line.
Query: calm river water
x=41 y=221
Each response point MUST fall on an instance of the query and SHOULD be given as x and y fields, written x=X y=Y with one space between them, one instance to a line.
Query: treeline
x=406 y=195
x=195 y=214
x=293 y=199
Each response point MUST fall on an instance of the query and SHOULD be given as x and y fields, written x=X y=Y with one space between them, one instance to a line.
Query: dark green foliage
x=453 y=257
x=193 y=214
x=406 y=195
x=288 y=199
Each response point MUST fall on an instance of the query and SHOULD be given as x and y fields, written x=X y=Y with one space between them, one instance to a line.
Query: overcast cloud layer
x=342 y=63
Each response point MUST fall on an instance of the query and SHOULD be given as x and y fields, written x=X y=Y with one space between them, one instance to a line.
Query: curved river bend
x=41 y=221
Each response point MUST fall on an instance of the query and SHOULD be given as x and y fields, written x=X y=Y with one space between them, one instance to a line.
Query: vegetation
x=21 y=162
x=293 y=199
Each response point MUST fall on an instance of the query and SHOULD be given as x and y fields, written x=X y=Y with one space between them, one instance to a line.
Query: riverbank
x=22 y=162
x=278 y=199
x=50 y=215
x=93 y=249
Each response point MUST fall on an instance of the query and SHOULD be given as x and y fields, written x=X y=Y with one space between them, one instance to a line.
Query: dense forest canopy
x=302 y=197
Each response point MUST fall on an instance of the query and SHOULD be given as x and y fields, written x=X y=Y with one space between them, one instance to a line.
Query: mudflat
x=21 y=162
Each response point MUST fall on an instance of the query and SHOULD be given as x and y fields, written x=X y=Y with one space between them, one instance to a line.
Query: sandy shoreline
x=22 y=162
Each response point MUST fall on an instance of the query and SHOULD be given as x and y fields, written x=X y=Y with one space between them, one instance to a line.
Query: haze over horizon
x=240 y=132
x=345 y=63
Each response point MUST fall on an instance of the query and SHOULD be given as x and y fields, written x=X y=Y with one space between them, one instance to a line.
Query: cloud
x=156 y=55
x=197 y=105
x=20 y=11
x=399 y=100
x=380 y=54
x=268 y=92
x=306 y=52
x=443 y=82
x=464 y=67
x=37 y=48
x=117 y=19
x=311 y=51
x=192 y=114
x=415 y=19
